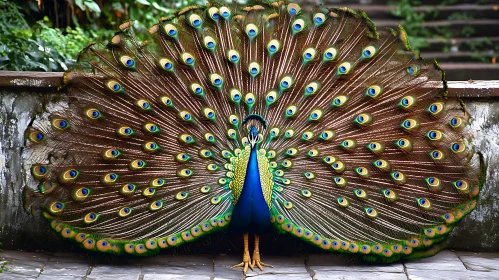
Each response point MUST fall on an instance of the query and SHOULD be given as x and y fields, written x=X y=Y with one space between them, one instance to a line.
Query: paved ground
x=42 y=265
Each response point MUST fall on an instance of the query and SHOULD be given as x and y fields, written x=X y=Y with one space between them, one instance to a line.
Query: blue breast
x=251 y=212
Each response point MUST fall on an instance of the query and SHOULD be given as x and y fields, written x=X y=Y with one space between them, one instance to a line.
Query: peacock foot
x=257 y=262
x=245 y=263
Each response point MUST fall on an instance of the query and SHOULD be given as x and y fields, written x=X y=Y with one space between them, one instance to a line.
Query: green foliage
x=412 y=22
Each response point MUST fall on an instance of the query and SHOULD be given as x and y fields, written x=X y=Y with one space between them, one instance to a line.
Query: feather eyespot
x=287 y=163
x=413 y=69
x=398 y=177
x=233 y=56
x=125 y=131
x=363 y=119
x=271 y=97
x=250 y=99
x=60 y=124
x=254 y=69
x=330 y=54
x=128 y=62
x=181 y=195
x=339 y=101
x=90 y=218
x=56 y=207
x=436 y=155
x=273 y=46
x=293 y=9
x=457 y=147
x=215 y=200
x=143 y=105
x=319 y=19
x=271 y=154
x=125 y=211
x=209 y=137
x=461 y=186
x=36 y=136
x=309 y=54
x=313 y=153
x=340 y=182
x=137 y=164
x=368 y=52
x=315 y=115
x=39 y=171
x=166 y=64
x=343 y=202
x=410 y=125
x=290 y=111
x=348 y=144
x=435 y=108
x=205 y=189
x=128 y=189
x=285 y=83
x=209 y=43
x=148 y=192
x=375 y=147
x=306 y=193
x=407 y=102
x=225 y=12
x=297 y=26
x=93 y=114
x=214 y=13
x=114 y=86
x=156 y=205
x=456 y=122
x=371 y=212
x=373 y=91
x=344 y=68
x=360 y=194
x=46 y=187
x=424 y=203
x=216 y=80
x=251 y=30
x=338 y=166
x=231 y=133
x=195 y=21
x=170 y=30
x=150 y=147
x=187 y=59
x=158 y=182
x=289 y=133
x=185 y=173
x=389 y=195
x=311 y=88
x=235 y=95
x=109 y=178
x=81 y=194
x=307 y=136
x=433 y=183
x=404 y=144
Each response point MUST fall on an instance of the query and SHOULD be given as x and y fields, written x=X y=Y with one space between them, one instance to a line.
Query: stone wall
x=18 y=230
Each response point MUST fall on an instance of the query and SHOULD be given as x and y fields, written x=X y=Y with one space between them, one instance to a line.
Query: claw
x=256 y=261
x=246 y=257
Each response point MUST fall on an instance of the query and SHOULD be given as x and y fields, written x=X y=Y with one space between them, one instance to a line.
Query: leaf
x=93 y=7
x=143 y=2
x=158 y=7
x=80 y=5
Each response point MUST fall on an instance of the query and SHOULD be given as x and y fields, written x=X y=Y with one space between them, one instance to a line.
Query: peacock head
x=256 y=125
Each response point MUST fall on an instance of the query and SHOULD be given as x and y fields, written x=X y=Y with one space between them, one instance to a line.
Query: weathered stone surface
x=488 y=262
x=443 y=261
x=358 y=275
x=415 y=274
x=345 y=263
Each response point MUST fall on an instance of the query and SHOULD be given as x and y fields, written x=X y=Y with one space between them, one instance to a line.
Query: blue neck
x=251 y=212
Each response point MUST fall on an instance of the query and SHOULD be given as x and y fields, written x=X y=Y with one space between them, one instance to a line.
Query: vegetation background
x=46 y=35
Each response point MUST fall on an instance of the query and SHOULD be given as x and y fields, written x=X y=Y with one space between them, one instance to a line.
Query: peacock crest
x=358 y=147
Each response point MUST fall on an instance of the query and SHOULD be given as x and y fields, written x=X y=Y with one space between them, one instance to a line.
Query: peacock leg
x=246 y=256
x=256 y=255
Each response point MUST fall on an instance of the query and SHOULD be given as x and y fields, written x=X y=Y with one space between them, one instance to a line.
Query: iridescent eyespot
x=251 y=30
x=389 y=195
x=137 y=164
x=205 y=189
x=109 y=178
x=436 y=155
x=216 y=80
x=91 y=217
x=197 y=89
x=456 y=122
x=293 y=9
x=297 y=26
x=56 y=207
x=457 y=147
x=290 y=111
x=410 y=124
x=306 y=193
x=344 y=68
x=436 y=108
x=363 y=119
x=156 y=205
x=150 y=147
x=307 y=136
x=289 y=133
x=339 y=101
x=461 y=186
x=36 y=136
x=125 y=211
x=434 y=135
x=404 y=144
x=407 y=102
x=287 y=163
x=39 y=171
x=149 y=192
x=309 y=54
x=186 y=138
x=371 y=212
x=60 y=124
x=211 y=167
x=413 y=69
x=433 y=183
x=315 y=115
x=209 y=137
x=81 y=194
x=254 y=69
x=156 y=183
x=233 y=56
x=250 y=99
x=128 y=189
x=46 y=187
x=313 y=153
x=271 y=97
x=187 y=59
x=375 y=147
x=424 y=203
x=125 y=131
x=128 y=62
x=170 y=30
x=359 y=193
x=185 y=173
x=209 y=114
x=209 y=43
x=340 y=182
x=93 y=114
x=185 y=116
x=311 y=88
x=235 y=95
x=114 y=86
x=182 y=157
x=329 y=54
x=319 y=19
x=348 y=144
x=398 y=177
x=225 y=12
x=373 y=91
x=166 y=64
x=309 y=175
x=338 y=166
x=285 y=83
x=215 y=200
x=195 y=21
x=326 y=135
x=205 y=153
x=181 y=195
x=214 y=14
x=273 y=46
x=368 y=52
x=151 y=128
x=291 y=151
x=271 y=154
x=382 y=165
x=343 y=202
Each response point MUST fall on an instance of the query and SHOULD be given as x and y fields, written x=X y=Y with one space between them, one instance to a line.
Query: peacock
x=253 y=119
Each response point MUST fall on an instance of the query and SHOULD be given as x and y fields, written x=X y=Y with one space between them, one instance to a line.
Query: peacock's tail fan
x=361 y=150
